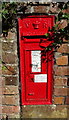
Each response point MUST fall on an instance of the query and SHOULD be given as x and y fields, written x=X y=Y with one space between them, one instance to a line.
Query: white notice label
x=36 y=61
x=40 y=78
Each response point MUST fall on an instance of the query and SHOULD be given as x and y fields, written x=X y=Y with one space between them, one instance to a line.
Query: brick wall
x=9 y=78
x=61 y=72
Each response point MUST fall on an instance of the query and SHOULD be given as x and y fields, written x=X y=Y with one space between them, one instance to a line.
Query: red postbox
x=35 y=67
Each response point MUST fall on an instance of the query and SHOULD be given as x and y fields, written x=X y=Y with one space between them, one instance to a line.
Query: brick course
x=59 y=100
x=63 y=60
x=62 y=71
x=40 y=9
x=10 y=109
x=10 y=100
x=60 y=81
x=9 y=58
x=10 y=90
x=8 y=46
x=11 y=80
x=9 y=70
x=61 y=107
x=64 y=48
x=61 y=91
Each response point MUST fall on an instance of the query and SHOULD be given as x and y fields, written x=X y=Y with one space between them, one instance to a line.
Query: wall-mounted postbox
x=35 y=66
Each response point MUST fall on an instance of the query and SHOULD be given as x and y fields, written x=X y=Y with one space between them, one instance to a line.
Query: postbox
x=36 y=70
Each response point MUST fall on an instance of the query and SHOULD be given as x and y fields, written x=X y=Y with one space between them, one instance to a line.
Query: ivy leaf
x=57 y=20
x=62 y=29
x=60 y=42
x=47 y=34
x=50 y=48
x=53 y=44
x=5 y=12
x=14 y=12
x=66 y=16
x=46 y=48
x=56 y=25
x=59 y=16
x=3 y=67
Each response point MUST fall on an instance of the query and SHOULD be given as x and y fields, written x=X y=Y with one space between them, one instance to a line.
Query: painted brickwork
x=9 y=78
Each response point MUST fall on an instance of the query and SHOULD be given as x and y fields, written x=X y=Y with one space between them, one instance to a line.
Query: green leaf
x=56 y=25
x=60 y=42
x=46 y=48
x=53 y=43
x=14 y=12
x=3 y=68
x=47 y=34
x=50 y=48
x=65 y=16
x=62 y=29
x=57 y=20
x=5 y=30
x=5 y=11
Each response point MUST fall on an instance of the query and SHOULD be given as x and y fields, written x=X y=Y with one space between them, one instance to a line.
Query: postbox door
x=36 y=75
x=36 y=68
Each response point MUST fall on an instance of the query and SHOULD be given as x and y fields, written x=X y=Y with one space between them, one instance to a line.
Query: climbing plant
x=8 y=16
x=60 y=30
x=57 y=34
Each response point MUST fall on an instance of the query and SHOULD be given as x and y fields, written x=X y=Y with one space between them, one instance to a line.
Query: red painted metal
x=35 y=25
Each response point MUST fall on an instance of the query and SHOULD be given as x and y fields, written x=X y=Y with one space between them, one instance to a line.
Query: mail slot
x=36 y=65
